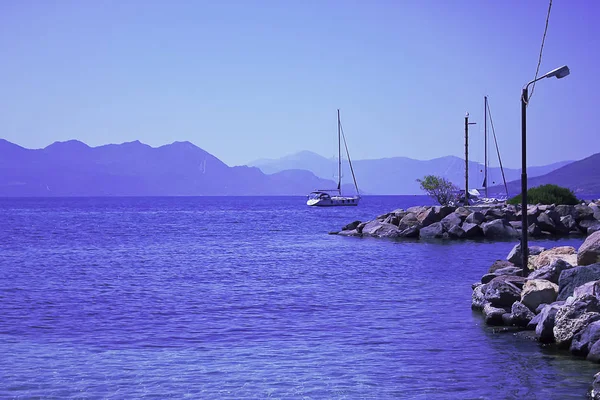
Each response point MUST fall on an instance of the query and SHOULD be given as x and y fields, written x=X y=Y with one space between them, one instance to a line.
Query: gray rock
x=551 y=272
x=381 y=230
x=538 y=291
x=351 y=226
x=584 y=339
x=352 y=232
x=428 y=217
x=360 y=226
x=516 y=224
x=544 y=329
x=499 y=264
x=569 y=223
x=434 y=230
x=571 y=278
x=410 y=232
x=565 y=210
x=392 y=219
x=408 y=221
x=416 y=209
x=589 y=288
x=583 y=212
x=462 y=212
x=512 y=271
x=494 y=213
x=478 y=298
x=594 y=356
x=451 y=220
x=572 y=318
x=493 y=315
x=595 y=389
x=498 y=229
x=534 y=231
x=521 y=314
x=472 y=230
x=456 y=232
x=502 y=291
x=476 y=218
x=546 y=223
x=589 y=226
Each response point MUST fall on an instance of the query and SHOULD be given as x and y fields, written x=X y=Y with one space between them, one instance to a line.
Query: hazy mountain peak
x=68 y=144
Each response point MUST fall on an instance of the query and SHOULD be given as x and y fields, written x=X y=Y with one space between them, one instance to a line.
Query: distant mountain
x=73 y=168
x=582 y=177
x=398 y=175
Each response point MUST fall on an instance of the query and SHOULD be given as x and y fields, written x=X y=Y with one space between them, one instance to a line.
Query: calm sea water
x=237 y=298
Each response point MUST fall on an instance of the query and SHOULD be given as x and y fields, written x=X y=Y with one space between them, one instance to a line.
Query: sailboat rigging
x=474 y=194
x=322 y=197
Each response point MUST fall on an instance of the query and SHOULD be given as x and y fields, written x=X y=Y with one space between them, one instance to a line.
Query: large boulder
x=428 y=216
x=585 y=338
x=493 y=315
x=569 y=223
x=494 y=213
x=451 y=220
x=410 y=232
x=503 y=291
x=513 y=271
x=434 y=230
x=594 y=356
x=551 y=272
x=575 y=277
x=392 y=219
x=380 y=229
x=476 y=218
x=566 y=253
x=521 y=315
x=456 y=232
x=589 y=251
x=566 y=210
x=591 y=288
x=572 y=318
x=409 y=220
x=462 y=212
x=515 y=254
x=595 y=389
x=500 y=264
x=471 y=230
x=583 y=212
x=498 y=229
x=546 y=223
x=544 y=329
x=538 y=291
x=589 y=226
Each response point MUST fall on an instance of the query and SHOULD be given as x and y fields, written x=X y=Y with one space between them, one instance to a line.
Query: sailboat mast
x=339 y=154
x=485 y=146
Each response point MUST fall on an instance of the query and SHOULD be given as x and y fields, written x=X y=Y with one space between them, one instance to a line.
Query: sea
x=251 y=298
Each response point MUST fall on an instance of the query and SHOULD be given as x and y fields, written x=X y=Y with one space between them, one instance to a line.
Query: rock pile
x=559 y=298
x=491 y=222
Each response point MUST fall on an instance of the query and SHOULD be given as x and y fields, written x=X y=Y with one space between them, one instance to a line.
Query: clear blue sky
x=261 y=79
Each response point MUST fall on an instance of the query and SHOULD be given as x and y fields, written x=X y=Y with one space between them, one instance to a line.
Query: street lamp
x=558 y=73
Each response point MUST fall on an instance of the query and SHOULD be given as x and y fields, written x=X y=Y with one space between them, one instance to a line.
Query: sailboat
x=323 y=197
x=475 y=197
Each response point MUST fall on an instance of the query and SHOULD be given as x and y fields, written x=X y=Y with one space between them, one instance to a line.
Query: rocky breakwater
x=493 y=222
x=558 y=299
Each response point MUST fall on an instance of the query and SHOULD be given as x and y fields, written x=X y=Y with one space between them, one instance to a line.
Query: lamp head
x=558 y=72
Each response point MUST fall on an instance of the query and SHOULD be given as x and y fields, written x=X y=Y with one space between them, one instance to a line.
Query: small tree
x=547 y=194
x=441 y=189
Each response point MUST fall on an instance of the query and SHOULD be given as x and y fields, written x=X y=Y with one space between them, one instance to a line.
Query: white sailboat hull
x=333 y=201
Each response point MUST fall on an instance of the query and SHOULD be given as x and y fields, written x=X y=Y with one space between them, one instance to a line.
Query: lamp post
x=558 y=73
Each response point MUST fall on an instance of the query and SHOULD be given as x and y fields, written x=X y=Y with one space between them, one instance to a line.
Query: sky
x=246 y=80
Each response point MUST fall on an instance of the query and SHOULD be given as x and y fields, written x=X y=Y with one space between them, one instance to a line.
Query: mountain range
x=582 y=177
x=73 y=168
x=398 y=175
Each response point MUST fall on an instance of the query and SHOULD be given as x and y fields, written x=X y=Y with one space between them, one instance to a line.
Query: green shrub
x=547 y=194
x=441 y=189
